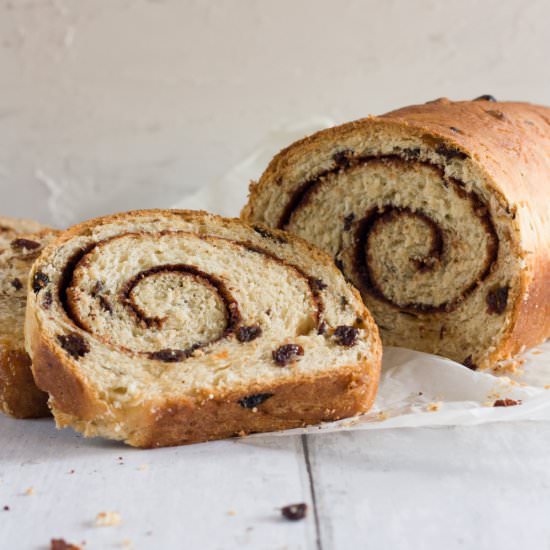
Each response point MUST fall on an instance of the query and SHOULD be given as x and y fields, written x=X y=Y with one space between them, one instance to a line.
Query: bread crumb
x=509 y=366
x=382 y=415
x=127 y=543
x=231 y=513
x=107 y=519
x=350 y=423
x=29 y=492
x=432 y=407
x=143 y=467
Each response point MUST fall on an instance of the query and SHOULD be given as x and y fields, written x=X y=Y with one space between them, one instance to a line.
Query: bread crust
x=75 y=402
x=510 y=144
x=19 y=396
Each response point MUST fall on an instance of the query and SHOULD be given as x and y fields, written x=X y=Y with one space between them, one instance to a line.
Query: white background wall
x=103 y=101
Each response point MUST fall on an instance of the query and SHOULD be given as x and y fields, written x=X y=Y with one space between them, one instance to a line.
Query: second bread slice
x=21 y=242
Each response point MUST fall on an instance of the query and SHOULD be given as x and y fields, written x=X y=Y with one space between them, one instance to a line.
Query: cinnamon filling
x=132 y=298
x=378 y=218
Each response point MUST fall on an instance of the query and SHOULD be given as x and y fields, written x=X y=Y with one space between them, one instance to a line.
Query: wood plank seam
x=318 y=542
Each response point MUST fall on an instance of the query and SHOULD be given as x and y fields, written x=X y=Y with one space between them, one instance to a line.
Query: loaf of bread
x=440 y=215
x=20 y=244
x=170 y=327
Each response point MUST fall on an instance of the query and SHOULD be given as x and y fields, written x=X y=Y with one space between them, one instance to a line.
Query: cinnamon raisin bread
x=438 y=213
x=172 y=327
x=20 y=244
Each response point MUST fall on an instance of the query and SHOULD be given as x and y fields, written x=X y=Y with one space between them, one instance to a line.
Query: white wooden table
x=484 y=487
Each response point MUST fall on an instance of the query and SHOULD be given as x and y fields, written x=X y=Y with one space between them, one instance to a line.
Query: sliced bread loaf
x=438 y=213
x=170 y=327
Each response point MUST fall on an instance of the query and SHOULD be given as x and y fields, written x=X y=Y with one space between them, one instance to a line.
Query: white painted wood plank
x=218 y=495
x=483 y=487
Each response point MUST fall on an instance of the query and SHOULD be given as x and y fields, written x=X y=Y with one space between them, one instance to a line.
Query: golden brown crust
x=293 y=405
x=54 y=375
x=346 y=391
x=510 y=142
x=19 y=396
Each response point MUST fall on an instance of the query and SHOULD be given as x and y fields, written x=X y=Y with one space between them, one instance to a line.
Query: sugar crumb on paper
x=107 y=519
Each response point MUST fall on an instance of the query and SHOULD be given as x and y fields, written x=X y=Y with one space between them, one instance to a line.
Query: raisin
x=105 y=304
x=266 y=234
x=497 y=300
x=39 y=281
x=317 y=284
x=348 y=220
x=411 y=153
x=247 y=334
x=342 y=158
x=171 y=355
x=252 y=401
x=486 y=97
x=450 y=152
x=506 y=402
x=294 y=512
x=344 y=302
x=322 y=328
x=62 y=544
x=17 y=284
x=284 y=355
x=20 y=244
x=6 y=508
x=346 y=336
x=468 y=362
x=73 y=344
x=47 y=300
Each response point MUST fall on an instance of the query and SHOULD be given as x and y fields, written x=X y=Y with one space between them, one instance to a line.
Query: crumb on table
x=107 y=519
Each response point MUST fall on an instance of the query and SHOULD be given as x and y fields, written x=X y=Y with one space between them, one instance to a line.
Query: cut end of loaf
x=422 y=210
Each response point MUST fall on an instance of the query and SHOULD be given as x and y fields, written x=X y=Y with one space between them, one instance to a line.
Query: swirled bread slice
x=20 y=244
x=438 y=213
x=170 y=327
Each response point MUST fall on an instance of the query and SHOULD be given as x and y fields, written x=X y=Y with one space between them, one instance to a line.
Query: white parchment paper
x=416 y=389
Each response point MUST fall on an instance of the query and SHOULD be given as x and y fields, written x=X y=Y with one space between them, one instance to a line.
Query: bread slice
x=170 y=327
x=438 y=213
x=20 y=244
